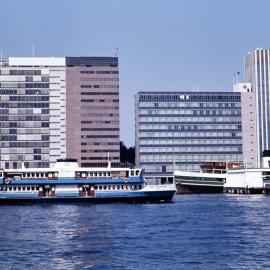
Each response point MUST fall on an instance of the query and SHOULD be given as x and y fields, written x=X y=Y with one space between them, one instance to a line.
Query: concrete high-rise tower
x=93 y=110
x=257 y=72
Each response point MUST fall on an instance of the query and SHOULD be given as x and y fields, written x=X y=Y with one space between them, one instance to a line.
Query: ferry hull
x=187 y=189
x=158 y=197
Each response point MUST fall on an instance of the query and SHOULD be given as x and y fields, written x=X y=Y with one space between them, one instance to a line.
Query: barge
x=69 y=183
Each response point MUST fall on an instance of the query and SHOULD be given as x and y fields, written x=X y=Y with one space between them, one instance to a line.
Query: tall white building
x=32 y=111
x=257 y=72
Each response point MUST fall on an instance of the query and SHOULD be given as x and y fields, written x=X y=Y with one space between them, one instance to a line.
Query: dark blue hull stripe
x=147 y=198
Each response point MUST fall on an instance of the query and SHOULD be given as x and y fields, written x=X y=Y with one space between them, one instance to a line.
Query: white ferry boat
x=67 y=182
x=210 y=179
x=224 y=177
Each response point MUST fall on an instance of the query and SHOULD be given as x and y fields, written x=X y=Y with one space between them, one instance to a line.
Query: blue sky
x=163 y=44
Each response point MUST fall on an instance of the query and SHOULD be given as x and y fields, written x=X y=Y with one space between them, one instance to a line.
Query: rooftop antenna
x=1 y=57
x=33 y=50
x=237 y=75
x=116 y=52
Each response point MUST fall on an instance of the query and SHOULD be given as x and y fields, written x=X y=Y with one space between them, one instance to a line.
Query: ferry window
x=113 y=186
x=1 y=188
x=33 y=175
x=127 y=187
x=1 y=175
x=42 y=175
x=23 y=188
x=19 y=188
x=122 y=187
x=132 y=173
x=28 y=188
x=137 y=172
x=37 y=174
x=100 y=174
x=118 y=187
x=24 y=174
x=109 y=187
x=95 y=173
x=140 y=186
x=10 y=188
x=100 y=187
x=95 y=187
x=109 y=174
x=37 y=188
x=104 y=187
x=28 y=175
x=32 y=188
x=14 y=188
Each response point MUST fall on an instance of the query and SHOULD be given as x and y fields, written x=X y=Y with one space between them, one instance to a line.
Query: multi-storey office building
x=93 y=110
x=181 y=130
x=48 y=110
x=32 y=111
x=257 y=72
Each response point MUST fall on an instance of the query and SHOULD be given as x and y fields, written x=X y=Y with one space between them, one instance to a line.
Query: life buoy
x=125 y=180
x=7 y=181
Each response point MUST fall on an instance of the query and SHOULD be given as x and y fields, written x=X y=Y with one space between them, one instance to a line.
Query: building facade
x=249 y=134
x=181 y=130
x=53 y=108
x=32 y=111
x=93 y=110
x=257 y=72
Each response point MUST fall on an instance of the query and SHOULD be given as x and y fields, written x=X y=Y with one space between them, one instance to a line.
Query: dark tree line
x=127 y=155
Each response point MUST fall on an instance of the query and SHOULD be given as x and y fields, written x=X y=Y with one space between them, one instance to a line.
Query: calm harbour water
x=194 y=232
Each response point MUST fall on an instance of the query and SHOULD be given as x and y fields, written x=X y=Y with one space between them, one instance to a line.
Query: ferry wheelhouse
x=67 y=182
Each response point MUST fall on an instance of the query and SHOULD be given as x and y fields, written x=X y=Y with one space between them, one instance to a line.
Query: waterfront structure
x=182 y=130
x=93 y=110
x=54 y=107
x=257 y=73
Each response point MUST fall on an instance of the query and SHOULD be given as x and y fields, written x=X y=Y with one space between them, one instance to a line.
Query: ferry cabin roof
x=81 y=169
x=70 y=164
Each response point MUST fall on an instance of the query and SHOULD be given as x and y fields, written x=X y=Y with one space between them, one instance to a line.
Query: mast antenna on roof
x=33 y=50
x=1 y=57
x=116 y=52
